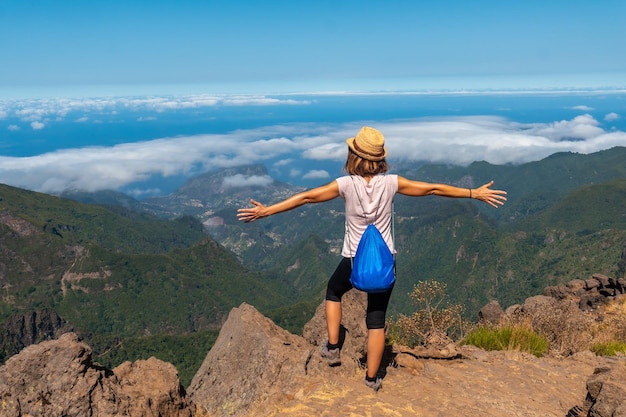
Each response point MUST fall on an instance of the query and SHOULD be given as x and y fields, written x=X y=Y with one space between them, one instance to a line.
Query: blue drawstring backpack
x=373 y=265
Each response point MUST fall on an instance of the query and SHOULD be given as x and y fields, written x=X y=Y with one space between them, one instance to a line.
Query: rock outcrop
x=590 y=293
x=353 y=332
x=258 y=368
x=606 y=392
x=59 y=378
x=253 y=360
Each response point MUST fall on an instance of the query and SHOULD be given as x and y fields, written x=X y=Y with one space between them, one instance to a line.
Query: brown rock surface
x=252 y=361
x=258 y=369
x=58 y=378
x=606 y=390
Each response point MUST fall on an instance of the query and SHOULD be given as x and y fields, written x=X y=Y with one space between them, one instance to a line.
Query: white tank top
x=375 y=206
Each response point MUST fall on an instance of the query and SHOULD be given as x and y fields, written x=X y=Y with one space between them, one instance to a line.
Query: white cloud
x=13 y=128
x=316 y=174
x=583 y=108
x=283 y=162
x=37 y=125
x=455 y=140
x=138 y=193
x=611 y=117
x=240 y=180
x=581 y=127
x=30 y=110
x=82 y=119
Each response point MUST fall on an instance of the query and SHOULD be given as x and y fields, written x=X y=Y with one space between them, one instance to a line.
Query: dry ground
x=490 y=384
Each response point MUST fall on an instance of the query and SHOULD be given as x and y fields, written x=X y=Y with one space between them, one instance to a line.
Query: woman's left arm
x=483 y=193
x=316 y=195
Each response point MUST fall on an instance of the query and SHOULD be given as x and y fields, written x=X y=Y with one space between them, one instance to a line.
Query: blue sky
x=128 y=47
x=90 y=90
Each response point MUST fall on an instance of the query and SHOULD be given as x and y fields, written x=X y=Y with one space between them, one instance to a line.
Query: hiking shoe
x=333 y=356
x=375 y=385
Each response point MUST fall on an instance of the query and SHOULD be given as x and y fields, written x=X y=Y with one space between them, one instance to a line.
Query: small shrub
x=611 y=323
x=435 y=316
x=488 y=338
x=613 y=348
x=511 y=338
x=561 y=322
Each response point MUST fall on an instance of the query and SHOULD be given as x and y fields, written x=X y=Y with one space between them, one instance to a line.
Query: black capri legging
x=377 y=303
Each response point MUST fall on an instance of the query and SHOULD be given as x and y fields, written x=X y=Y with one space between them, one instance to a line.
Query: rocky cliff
x=59 y=378
x=23 y=330
x=256 y=368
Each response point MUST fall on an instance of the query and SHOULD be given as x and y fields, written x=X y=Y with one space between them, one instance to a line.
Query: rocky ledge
x=256 y=368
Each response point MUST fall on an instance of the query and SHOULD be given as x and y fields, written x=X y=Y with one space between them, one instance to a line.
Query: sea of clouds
x=453 y=140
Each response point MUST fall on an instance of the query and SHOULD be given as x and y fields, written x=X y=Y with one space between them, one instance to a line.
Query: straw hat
x=369 y=144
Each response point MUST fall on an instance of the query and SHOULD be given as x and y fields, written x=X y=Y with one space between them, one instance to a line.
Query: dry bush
x=436 y=319
x=567 y=328
x=611 y=322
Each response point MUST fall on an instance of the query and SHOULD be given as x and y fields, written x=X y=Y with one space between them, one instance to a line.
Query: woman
x=368 y=196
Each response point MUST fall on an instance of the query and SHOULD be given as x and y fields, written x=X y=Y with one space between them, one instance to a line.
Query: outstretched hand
x=484 y=193
x=251 y=214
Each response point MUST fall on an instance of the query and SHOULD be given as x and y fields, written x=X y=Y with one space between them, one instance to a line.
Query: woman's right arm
x=315 y=195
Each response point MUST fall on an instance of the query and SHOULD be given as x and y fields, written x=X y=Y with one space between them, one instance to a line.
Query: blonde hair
x=355 y=165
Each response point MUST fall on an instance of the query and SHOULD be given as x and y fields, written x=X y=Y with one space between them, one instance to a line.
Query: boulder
x=59 y=378
x=602 y=279
x=491 y=313
x=254 y=361
x=576 y=285
x=354 y=330
x=559 y=292
x=606 y=391
x=251 y=361
x=537 y=302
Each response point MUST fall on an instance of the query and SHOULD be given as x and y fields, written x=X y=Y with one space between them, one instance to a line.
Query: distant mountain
x=479 y=251
x=476 y=249
x=111 y=272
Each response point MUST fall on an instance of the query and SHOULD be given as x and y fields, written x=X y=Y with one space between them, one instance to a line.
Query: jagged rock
x=22 y=330
x=252 y=360
x=590 y=300
x=559 y=292
x=536 y=302
x=449 y=351
x=576 y=285
x=354 y=305
x=602 y=279
x=513 y=309
x=606 y=391
x=591 y=283
x=491 y=313
x=59 y=378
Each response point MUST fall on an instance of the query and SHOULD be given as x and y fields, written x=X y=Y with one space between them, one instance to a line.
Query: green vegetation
x=186 y=352
x=508 y=338
x=612 y=348
x=151 y=285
